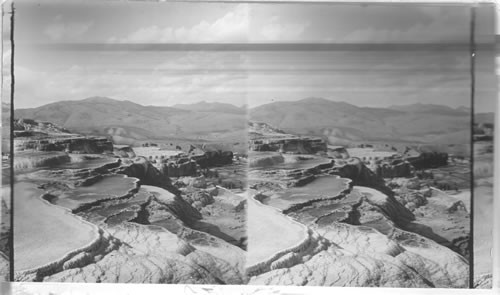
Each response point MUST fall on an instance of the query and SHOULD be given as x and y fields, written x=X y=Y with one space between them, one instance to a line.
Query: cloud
x=67 y=31
x=34 y=88
x=447 y=27
x=231 y=27
x=234 y=26
x=204 y=60
x=276 y=30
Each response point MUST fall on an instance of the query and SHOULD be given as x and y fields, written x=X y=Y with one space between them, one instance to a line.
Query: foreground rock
x=48 y=137
x=141 y=229
x=365 y=246
x=357 y=232
x=264 y=138
x=186 y=256
x=192 y=165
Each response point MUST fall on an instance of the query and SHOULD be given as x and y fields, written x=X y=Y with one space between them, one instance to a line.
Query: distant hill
x=126 y=121
x=212 y=107
x=463 y=109
x=341 y=122
x=482 y=118
x=432 y=109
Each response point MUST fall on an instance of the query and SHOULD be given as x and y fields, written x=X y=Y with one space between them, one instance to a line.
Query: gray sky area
x=143 y=22
x=167 y=77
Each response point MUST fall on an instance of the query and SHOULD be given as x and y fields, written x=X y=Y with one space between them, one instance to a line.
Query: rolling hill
x=126 y=121
x=211 y=107
x=432 y=109
x=341 y=122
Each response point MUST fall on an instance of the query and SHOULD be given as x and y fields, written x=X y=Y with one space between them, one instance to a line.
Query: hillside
x=432 y=109
x=126 y=121
x=342 y=122
x=211 y=107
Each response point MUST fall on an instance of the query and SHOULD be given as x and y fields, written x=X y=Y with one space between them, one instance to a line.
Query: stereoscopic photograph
x=248 y=143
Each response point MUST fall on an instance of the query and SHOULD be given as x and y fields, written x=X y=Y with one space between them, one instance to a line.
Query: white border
x=119 y=289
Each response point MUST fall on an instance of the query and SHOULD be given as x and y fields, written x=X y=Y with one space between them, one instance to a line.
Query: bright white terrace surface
x=44 y=233
x=270 y=232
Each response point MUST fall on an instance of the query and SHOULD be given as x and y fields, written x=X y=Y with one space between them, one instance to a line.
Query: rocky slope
x=148 y=234
x=369 y=250
x=30 y=160
x=48 y=137
x=297 y=145
x=265 y=138
x=193 y=164
x=363 y=235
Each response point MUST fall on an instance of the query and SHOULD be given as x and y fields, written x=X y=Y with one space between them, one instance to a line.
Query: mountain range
x=339 y=122
x=126 y=121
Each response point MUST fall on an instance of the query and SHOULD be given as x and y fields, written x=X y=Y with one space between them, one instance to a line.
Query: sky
x=152 y=75
x=146 y=22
